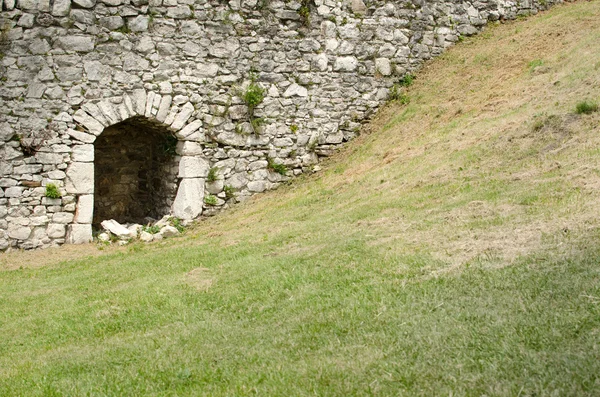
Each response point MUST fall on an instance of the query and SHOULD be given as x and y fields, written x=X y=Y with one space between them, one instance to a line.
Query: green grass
x=586 y=107
x=452 y=251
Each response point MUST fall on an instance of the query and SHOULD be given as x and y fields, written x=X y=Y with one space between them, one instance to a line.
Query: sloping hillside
x=452 y=249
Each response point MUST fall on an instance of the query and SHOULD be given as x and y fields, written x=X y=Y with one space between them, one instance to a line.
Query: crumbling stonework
x=73 y=69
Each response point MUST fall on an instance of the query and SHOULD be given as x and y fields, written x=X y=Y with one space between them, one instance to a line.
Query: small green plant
x=256 y=123
x=534 y=64
x=278 y=168
x=124 y=29
x=304 y=13
x=210 y=200
x=397 y=95
x=154 y=229
x=586 y=107
x=294 y=128
x=407 y=80
x=253 y=96
x=52 y=191
x=176 y=222
x=212 y=174
x=229 y=191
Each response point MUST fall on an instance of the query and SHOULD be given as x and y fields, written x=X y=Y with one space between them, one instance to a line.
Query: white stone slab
x=115 y=228
x=183 y=116
x=79 y=234
x=80 y=178
x=138 y=97
x=90 y=123
x=193 y=167
x=85 y=209
x=164 y=107
x=189 y=200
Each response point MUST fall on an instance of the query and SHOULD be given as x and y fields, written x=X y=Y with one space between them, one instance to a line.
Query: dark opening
x=135 y=172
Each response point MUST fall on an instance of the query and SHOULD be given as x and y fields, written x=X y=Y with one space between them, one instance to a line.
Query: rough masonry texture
x=135 y=108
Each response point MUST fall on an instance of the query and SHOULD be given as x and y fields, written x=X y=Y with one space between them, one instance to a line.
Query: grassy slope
x=453 y=251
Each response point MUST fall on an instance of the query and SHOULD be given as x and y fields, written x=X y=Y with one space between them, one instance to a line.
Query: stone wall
x=71 y=68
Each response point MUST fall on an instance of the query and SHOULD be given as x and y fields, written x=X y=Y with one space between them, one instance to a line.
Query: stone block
x=295 y=90
x=76 y=43
x=14 y=192
x=18 y=232
x=189 y=129
x=62 y=217
x=164 y=107
x=85 y=209
x=80 y=178
x=193 y=167
x=116 y=228
x=83 y=153
x=183 y=116
x=61 y=8
x=85 y=3
x=383 y=66
x=92 y=125
x=79 y=234
x=56 y=230
x=81 y=136
x=345 y=64
x=138 y=24
x=138 y=97
x=189 y=200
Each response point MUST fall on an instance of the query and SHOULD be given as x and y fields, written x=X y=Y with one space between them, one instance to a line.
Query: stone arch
x=135 y=172
x=157 y=115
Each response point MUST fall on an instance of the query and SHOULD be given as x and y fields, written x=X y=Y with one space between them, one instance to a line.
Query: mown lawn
x=453 y=250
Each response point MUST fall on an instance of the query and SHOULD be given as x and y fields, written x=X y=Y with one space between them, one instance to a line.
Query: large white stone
x=93 y=110
x=61 y=8
x=345 y=64
x=80 y=178
x=320 y=62
x=62 y=217
x=189 y=129
x=295 y=90
x=169 y=231
x=138 y=24
x=189 y=199
x=193 y=167
x=183 y=116
x=164 y=107
x=85 y=209
x=115 y=228
x=129 y=104
x=149 y=102
x=13 y=192
x=79 y=234
x=188 y=148
x=81 y=136
x=138 y=98
x=19 y=232
x=76 y=43
x=383 y=66
x=85 y=3
x=92 y=125
x=56 y=230
x=109 y=112
x=83 y=153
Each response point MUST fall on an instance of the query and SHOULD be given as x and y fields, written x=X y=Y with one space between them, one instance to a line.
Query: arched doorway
x=135 y=171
